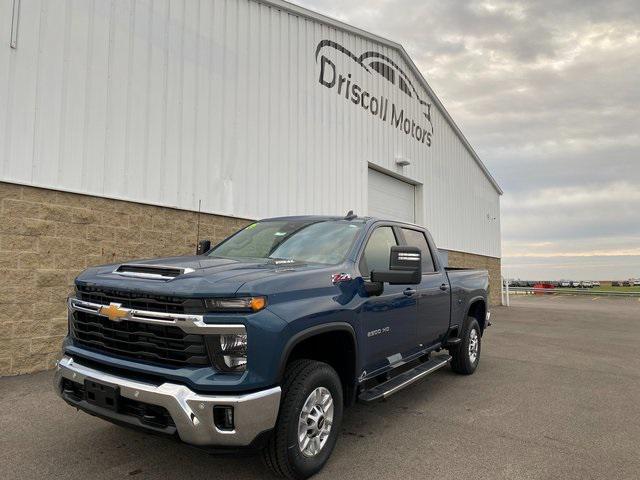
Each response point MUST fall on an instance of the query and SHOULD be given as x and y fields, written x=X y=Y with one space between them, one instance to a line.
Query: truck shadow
x=368 y=420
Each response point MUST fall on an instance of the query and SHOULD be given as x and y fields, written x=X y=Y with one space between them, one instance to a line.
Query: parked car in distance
x=263 y=340
x=596 y=284
x=587 y=284
x=636 y=283
x=565 y=284
x=626 y=283
x=615 y=284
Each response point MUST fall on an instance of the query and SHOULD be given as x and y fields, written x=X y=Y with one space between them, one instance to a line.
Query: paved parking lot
x=557 y=396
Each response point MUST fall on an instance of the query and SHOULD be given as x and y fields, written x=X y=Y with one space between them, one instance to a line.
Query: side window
x=376 y=253
x=415 y=238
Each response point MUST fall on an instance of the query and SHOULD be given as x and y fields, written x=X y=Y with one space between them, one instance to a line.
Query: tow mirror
x=203 y=247
x=405 y=267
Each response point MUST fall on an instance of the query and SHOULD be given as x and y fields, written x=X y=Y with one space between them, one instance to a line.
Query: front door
x=387 y=321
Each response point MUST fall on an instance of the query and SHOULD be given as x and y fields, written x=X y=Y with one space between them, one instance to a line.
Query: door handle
x=409 y=291
x=443 y=287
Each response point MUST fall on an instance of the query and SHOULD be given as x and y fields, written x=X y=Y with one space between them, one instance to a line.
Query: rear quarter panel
x=467 y=286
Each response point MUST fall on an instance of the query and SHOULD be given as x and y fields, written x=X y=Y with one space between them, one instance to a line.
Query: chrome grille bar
x=189 y=323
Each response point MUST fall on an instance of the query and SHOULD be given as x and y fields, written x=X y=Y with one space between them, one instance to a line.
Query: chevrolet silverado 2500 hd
x=264 y=339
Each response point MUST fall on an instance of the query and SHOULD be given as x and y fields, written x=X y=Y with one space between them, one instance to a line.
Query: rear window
x=414 y=238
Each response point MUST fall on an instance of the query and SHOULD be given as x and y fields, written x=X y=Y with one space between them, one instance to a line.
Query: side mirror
x=203 y=247
x=405 y=267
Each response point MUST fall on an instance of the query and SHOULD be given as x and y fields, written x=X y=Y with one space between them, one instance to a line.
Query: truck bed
x=466 y=284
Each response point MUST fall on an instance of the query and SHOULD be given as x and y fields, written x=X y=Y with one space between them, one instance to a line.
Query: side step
x=405 y=379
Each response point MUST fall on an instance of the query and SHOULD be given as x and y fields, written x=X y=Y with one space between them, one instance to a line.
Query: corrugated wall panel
x=176 y=102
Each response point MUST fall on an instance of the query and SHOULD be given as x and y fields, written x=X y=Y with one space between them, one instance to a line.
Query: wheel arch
x=309 y=344
x=478 y=310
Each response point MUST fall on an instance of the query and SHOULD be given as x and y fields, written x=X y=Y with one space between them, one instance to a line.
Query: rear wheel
x=308 y=421
x=466 y=355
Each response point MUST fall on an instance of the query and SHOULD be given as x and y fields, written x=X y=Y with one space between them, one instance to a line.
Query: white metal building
x=254 y=108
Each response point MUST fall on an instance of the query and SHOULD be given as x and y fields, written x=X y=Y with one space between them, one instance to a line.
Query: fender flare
x=476 y=299
x=311 y=332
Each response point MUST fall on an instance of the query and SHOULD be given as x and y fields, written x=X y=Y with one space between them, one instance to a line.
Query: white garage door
x=390 y=198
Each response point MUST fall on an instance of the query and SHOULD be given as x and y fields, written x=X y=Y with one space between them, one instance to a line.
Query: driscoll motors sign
x=381 y=107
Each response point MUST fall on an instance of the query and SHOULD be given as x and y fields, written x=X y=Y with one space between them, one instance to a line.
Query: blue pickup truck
x=263 y=340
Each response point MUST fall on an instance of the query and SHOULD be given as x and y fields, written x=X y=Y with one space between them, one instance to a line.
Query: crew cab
x=264 y=339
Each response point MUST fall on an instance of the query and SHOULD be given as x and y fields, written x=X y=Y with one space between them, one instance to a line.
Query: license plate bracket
x=102 y=394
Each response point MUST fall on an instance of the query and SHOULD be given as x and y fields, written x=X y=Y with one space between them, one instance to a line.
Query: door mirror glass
x=405 y=267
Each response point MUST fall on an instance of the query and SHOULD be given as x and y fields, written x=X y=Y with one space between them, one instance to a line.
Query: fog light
x=223 y=417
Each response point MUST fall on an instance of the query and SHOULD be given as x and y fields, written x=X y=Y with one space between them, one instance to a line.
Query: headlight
x=236 y=304
x=228 y=352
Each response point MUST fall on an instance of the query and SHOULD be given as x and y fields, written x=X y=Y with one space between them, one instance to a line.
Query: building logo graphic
x=374 y=63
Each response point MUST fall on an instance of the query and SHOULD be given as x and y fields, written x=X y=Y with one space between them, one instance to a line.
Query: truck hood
x=189 y=276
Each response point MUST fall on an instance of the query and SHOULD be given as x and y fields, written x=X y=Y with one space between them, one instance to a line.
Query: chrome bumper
x=191 y=412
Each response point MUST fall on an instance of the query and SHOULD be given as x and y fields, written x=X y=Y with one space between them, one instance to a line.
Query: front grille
x=139 y=300
x=163 y=344
x=152 y=415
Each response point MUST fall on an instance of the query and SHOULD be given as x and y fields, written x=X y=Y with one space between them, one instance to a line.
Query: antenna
x=350 y=215
x=198 y=223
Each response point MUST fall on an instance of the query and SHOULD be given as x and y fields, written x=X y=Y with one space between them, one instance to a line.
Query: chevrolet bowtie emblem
x=114 y=312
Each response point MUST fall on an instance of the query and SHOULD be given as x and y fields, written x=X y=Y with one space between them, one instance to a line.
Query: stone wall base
x=47 y=237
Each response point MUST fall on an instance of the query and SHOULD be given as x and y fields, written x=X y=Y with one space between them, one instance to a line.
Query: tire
x=283 y=454
x=462 y=359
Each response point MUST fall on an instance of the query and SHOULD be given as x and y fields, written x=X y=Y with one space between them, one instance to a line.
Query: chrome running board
x=397 y=383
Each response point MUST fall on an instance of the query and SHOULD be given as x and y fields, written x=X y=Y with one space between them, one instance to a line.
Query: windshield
x=306 y=241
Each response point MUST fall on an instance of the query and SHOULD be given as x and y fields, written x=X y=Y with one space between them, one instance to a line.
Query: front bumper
x=192 y=413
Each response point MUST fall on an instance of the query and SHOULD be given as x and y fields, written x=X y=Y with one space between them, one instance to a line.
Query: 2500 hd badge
x=378 y=331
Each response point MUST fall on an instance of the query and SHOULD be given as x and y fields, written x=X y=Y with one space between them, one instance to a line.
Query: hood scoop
x=152 y=272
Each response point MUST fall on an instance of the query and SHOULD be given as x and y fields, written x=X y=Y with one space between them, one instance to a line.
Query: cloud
x=547 y=92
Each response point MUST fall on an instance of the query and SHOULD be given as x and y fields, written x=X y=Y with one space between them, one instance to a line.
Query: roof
x=304 y=12
x=329 y=218
x=311 y=218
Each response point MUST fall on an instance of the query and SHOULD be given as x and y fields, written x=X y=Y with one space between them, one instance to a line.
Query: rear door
x=388 y=321
x=433 y=293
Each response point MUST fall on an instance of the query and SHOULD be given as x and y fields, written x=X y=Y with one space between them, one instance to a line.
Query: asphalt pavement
x=556 y=396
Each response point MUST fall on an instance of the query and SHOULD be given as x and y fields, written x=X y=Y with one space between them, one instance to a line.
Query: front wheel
x=466 y=355
x=308 y=422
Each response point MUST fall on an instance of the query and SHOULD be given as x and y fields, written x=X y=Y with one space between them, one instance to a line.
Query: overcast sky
x=548 y=93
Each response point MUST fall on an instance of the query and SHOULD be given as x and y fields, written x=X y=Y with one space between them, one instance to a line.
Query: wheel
x=308 y=421
x=466 y=355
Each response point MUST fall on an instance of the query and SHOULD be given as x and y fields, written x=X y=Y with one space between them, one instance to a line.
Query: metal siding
x=173 y=102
